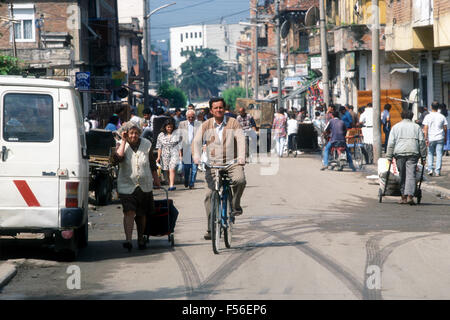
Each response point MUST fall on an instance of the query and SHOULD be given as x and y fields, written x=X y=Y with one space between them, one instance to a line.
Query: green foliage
x=230 y=96
x=176 y=96
x=9 y=66
x=199 y=76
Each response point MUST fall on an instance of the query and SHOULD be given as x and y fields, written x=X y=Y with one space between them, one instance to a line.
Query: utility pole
x=146 y=73
x=246 y=72
x=376 y=96
x=278 y=35
x=324 y=51
x=13 y=31
x=256 y=95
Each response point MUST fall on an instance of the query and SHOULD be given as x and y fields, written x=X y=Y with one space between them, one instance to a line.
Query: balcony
x=422 y=13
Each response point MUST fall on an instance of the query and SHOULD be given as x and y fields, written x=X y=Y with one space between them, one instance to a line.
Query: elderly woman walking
x=137 y=175
x=169 y=150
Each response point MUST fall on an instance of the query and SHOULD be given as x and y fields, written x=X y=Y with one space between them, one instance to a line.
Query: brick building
x=59 y=38
x=294 y=44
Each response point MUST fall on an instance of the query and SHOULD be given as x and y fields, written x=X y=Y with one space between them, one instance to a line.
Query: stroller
x=162 y=221
x=390 y=180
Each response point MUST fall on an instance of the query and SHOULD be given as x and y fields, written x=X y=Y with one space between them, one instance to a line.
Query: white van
x=43 y=162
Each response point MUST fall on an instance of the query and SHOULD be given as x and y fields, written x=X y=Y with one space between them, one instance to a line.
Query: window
x=303 y=42
x=191 y=35
x=196 y=34
x=192 y=48
x=187 y=35
x=199 y=34
x=24 y=29
x=181 y=50
x=226 y=49
x=28 y=117
x=181 y=37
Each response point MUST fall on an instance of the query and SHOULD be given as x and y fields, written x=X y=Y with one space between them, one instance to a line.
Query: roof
x=32 y=82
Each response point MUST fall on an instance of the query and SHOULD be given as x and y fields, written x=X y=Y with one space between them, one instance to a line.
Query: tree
x=230 y=96
x=9 y=66
x=199 y=73
x=176 y=96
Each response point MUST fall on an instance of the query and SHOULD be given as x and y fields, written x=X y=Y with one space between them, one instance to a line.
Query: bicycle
x=355 y=142
x=220 y=216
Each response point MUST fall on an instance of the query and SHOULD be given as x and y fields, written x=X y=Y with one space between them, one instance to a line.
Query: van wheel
x=66 y=250
x=103 y=190
x=83 y=236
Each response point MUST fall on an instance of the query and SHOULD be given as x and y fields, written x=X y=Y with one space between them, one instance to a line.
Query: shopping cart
x=162 y=221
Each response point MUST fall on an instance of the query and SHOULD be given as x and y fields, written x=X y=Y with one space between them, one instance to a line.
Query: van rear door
x=29 y=162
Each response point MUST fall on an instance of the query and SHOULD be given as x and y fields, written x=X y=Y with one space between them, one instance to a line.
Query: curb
x=7 y=273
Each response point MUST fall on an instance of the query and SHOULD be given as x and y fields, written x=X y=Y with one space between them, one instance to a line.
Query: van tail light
x=72 y=194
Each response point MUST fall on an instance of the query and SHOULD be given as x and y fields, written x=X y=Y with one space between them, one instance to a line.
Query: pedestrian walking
x=136 y=119
x=169 y=150
x=279 y=131
x=188 y=129
x=407 y=145
x=249 y=127
x=386 y=123
x=147 y=131
x=435 y=129
x=346 y=117
x=225 y=141
x=366 y=122
x=136 y=178
x=349 y=108
x=423 y=111
x=292 y=131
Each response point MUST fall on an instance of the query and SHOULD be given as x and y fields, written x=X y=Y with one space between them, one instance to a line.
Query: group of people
x=406 y=141
x=220 y=137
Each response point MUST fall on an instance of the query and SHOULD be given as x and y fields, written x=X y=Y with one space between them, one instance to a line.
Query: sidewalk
x=440 y=185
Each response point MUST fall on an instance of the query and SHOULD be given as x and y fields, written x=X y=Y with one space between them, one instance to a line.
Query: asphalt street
x=304 y=234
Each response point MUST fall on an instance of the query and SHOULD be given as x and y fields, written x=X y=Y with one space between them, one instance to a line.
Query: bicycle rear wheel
x=215 y=221
x=228 y=231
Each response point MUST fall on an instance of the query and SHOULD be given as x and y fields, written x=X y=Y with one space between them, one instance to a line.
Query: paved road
x=305 y=234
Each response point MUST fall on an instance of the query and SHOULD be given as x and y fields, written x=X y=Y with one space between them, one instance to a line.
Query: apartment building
x=219 y=37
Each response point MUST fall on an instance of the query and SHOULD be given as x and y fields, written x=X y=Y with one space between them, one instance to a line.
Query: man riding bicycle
x=336 y=127
x=225 y=141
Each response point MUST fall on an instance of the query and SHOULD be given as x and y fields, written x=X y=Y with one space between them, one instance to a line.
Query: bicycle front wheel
x=228 y=231
x=358 y=157
x=215 y=221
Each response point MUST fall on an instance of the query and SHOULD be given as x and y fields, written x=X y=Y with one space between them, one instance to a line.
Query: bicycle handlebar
x=225 y=167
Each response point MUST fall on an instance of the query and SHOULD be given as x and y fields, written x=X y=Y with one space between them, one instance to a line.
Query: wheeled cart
x=162 y=221
x=390 y=183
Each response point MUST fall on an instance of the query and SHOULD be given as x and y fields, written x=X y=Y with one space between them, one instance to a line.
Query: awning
x=404 y=70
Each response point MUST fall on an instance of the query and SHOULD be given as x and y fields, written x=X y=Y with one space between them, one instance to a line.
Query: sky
x=186 y=12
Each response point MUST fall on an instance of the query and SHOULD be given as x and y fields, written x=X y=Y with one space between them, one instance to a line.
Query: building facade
x=219 y=37
x=60 y=38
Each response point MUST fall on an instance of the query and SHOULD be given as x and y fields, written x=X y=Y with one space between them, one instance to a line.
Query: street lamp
x=147 y=38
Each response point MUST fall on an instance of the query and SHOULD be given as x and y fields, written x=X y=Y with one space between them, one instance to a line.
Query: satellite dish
x=285 y=27
x=312 y=16
x=122 y=93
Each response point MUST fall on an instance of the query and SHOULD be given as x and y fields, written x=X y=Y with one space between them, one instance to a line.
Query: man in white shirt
x=292 y=130
x=435 y=129
x=366 y=120
x=188 y=129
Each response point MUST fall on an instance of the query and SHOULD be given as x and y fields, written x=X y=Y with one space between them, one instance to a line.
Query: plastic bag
x=180 y=167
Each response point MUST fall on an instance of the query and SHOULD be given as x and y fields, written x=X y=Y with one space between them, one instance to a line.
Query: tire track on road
x=378 y=257
x=344 y=275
